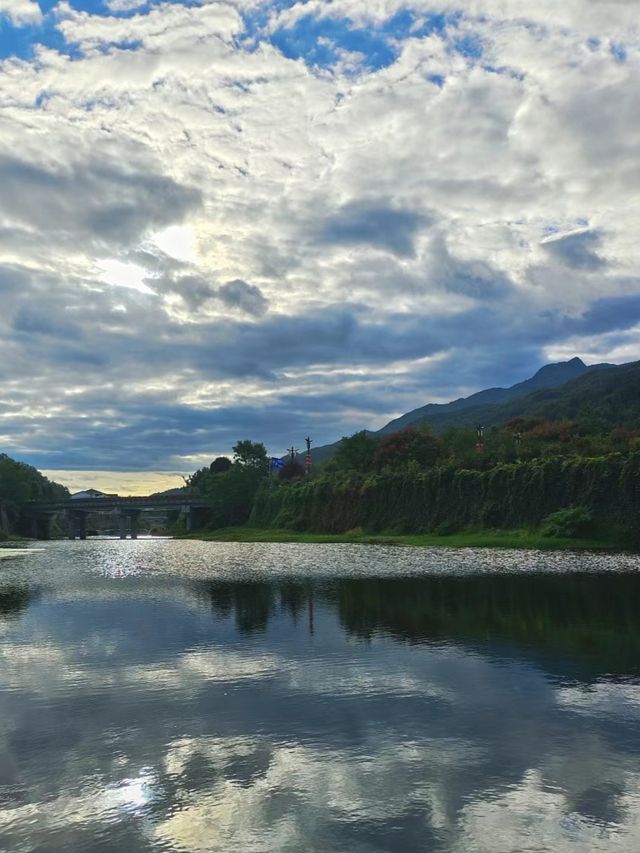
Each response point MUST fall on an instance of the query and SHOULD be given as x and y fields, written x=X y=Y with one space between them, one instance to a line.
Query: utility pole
x=307 y=464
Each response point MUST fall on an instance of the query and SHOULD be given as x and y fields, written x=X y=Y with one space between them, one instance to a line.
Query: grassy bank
x=524 y=539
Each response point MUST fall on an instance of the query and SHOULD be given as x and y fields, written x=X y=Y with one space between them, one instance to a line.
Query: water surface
x=187 y=696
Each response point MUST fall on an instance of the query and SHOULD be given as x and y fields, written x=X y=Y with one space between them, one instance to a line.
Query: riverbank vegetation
x=531 y=483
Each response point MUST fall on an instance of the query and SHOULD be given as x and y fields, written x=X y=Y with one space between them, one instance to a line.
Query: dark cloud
x=577 y=251
x=247 y=297
x=59 y=334
x=33 y=321
x=373 y=223
x=612 y=314
x=98 y=197
x=476 y=279
x=196 y=291
x=193 y=289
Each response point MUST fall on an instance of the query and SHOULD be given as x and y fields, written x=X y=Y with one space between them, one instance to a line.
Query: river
x=161 y=695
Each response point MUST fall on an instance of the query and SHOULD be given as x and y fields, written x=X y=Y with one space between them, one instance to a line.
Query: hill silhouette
x=556 y=391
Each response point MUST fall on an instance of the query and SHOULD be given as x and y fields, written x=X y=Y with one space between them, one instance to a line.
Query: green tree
x=230 y=488
x=252 y=454
x=20 y=483
x=356 y=452
x=220 y=465
x=460 y=446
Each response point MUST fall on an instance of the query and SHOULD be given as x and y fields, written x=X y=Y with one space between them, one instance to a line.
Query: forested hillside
x=610 y=397
x=20 y=483
x=441 y=415
x=556 y=391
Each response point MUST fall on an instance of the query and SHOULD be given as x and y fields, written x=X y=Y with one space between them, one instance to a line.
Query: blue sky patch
x=619 y=51
x=20 y=41
x=321 y=41
x=469 y=46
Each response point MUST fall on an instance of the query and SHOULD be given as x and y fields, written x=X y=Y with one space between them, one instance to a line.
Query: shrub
x=572 y=523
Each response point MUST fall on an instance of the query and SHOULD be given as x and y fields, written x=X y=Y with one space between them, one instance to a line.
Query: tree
x=20 y=483
x=198 y=480
x=460 y=444
x=220 y=465
x=230 y=487
x=356 y=452
x=418 y=446
x=250 y=454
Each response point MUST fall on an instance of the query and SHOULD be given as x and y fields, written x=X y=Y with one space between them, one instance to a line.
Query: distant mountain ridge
x=493 y=405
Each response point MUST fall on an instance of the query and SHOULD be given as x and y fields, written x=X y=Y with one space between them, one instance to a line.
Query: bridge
x=77 y=510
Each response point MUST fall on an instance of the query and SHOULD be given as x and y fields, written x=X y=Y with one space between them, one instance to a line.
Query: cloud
x=616 y=313
x=89 y=31
x=212 y=224
x=375 y=224
x=21 y=13
x=30 y=321
x=101 y=197
x=577 y=250
x=247 y=297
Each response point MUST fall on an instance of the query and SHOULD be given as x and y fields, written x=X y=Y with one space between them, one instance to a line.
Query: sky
x=272 y=219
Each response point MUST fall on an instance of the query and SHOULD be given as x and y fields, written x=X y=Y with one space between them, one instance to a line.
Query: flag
x=276 y=463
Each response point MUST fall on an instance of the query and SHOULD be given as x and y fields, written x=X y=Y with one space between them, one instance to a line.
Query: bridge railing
x=138 y=502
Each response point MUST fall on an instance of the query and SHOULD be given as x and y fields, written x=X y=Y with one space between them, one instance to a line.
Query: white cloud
x=178 y=241
x=123 y=274
x=593 y=17
x=161 y=27
x=21 y=13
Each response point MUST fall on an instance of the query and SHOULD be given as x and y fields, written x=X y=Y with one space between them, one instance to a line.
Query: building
x=91 y=493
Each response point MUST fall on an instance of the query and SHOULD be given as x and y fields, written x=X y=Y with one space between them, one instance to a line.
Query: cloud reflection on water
x=169 y=710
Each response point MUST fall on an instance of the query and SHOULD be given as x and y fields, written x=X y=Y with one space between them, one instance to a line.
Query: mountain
x=439 y=415
x=544 y=392
x=611 y=395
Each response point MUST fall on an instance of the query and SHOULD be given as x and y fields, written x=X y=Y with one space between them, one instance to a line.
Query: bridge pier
x=77 y=524
x=41 y=526
x=192 y=517
x=129 y=523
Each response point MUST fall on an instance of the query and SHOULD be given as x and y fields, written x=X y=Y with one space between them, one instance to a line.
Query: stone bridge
x=41 y=513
